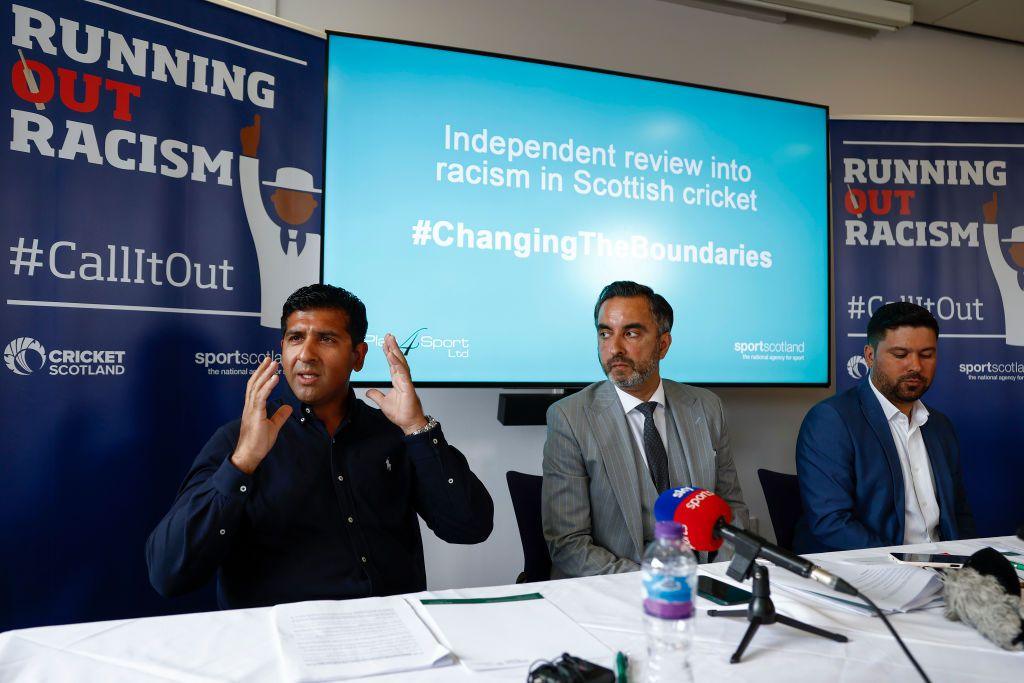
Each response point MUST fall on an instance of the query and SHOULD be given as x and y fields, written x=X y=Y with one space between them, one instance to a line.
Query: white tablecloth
x=239 y=645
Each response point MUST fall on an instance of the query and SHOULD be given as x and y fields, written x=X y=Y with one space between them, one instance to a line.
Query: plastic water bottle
x=669 y=585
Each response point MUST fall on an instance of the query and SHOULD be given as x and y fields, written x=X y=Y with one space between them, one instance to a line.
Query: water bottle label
x=667 y=588
x=668 y=597
x=668 y=610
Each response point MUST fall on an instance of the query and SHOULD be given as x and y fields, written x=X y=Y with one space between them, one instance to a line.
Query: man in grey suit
x=614 y=446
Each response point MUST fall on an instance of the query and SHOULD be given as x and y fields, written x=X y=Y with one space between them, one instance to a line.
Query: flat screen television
x=477 y=203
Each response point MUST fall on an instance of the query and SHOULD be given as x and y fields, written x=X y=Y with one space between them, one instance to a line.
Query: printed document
x=893 y=587
x=328 y=640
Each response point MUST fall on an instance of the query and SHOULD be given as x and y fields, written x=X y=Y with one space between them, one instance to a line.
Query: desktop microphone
x=985 y=594
x=706 y=518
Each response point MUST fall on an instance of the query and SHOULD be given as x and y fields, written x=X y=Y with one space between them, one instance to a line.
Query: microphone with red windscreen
x=701 y=513
x=706 y=518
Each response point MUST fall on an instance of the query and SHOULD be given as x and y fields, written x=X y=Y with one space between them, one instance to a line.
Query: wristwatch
x=431 y=423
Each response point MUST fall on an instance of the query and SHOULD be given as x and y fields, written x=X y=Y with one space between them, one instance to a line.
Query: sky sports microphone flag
x=698 y=510
x=147 y=150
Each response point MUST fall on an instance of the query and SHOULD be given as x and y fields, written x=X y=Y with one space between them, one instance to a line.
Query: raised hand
x=259 y=432
x=990 y=209
x=401 y=405
x=251 y=137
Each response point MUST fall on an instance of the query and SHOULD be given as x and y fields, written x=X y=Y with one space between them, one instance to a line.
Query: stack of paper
x=514 y=631
x=329 y=640
x=893 y=587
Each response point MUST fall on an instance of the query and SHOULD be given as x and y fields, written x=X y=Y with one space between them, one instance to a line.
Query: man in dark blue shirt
x=317 y=497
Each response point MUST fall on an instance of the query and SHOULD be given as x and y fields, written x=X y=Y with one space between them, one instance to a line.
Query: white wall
x=916 y=71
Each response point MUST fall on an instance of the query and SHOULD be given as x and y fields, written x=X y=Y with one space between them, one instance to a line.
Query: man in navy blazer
x=875 y=466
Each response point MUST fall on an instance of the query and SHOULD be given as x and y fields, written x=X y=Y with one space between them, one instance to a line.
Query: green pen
x=621 y=666
x=1016 y=565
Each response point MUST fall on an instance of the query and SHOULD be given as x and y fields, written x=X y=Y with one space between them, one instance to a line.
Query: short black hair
x=316 y=296
x=899 y=314
x=660 y=308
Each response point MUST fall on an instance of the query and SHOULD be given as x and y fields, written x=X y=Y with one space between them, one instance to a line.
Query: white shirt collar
x=629 y=402
x=918 y=413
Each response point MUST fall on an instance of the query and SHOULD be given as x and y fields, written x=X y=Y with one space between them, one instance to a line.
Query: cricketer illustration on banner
x=1008 y=269
x=289 y=257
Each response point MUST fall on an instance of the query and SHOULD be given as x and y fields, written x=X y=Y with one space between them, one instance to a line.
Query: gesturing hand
x=401 y=405
x=991 y=209
x=259 y=432
x=251 y=137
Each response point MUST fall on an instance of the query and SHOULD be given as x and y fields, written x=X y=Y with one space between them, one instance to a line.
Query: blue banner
x=161 y=196
x=933 y=212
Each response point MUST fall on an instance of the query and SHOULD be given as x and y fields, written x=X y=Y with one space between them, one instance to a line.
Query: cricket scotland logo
x=24 y=355
x=857 y=366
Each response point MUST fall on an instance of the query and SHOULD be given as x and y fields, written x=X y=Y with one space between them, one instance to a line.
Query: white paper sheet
x=502 y=633
x=893 y=587
x=331 y=640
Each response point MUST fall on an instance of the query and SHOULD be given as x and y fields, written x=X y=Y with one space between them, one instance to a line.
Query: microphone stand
x=761 y=610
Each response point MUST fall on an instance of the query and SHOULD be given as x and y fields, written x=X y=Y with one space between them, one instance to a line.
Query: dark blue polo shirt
x=322 y=517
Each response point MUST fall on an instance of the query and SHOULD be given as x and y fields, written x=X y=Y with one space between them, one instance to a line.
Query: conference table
x=239 y=645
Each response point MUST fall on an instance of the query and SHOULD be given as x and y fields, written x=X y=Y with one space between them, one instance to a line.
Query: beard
x=641 y=371
x=900 y=390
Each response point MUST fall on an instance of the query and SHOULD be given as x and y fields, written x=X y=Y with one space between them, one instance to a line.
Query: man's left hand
x=401 y=405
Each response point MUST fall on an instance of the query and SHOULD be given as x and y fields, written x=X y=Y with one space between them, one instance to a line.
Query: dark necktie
x=287 y=240
x=654 y=448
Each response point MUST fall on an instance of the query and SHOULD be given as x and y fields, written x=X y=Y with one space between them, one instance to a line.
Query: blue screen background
x=488 y=316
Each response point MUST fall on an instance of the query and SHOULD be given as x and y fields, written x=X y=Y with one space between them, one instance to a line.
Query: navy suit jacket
x=851 y=483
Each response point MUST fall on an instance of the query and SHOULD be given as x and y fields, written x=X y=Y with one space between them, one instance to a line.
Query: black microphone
x=782 y=558
x=706 y=517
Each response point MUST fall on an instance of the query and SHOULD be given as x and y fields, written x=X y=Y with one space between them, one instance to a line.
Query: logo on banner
x=235 y=362
x=288 y=256
x=993 y=371
x=24 y=355
x=1009 y=272
x=857 y=366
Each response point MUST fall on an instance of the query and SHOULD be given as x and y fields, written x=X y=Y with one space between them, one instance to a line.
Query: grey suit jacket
x=591 y=494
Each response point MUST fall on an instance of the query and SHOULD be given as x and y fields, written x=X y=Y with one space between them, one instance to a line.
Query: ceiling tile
x=999 y=18
x=930 y=11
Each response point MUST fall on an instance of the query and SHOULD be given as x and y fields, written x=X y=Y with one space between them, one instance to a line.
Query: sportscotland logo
x=20 y=356
x=857 y=366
